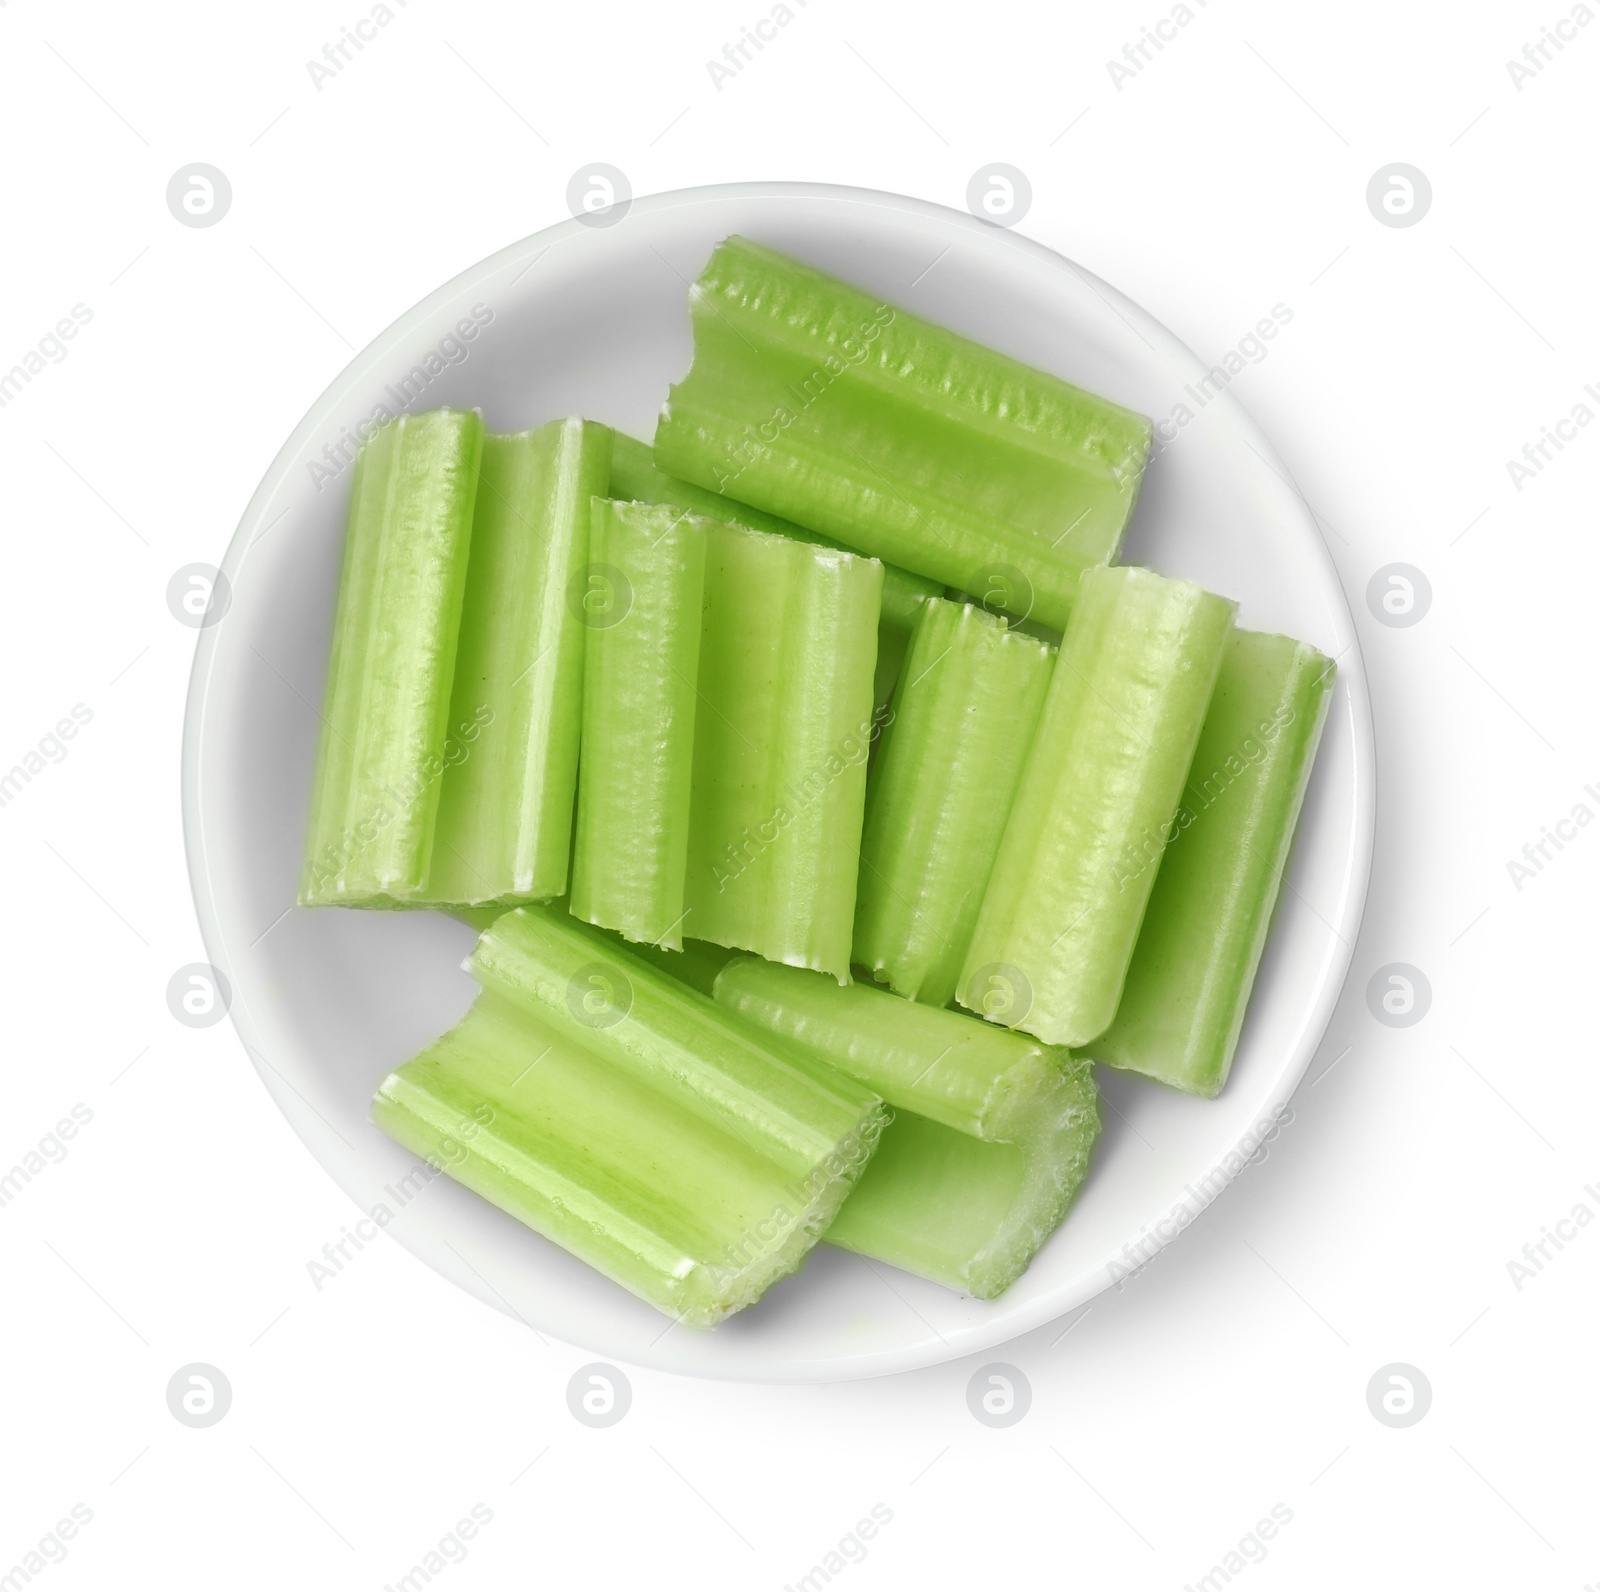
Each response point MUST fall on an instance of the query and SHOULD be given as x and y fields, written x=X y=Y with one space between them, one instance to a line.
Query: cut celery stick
x=634 y=475
x=782 y=732
x=1095 y=805
x=505 y=812
x=1189 y=983
x=631 y=1120
x=642 y=654
x=387 y=710
x=819 y=402
x=677 y=1210
x=966 y=1074
x=582 y=984
x=966 y=1212
x=940 y=790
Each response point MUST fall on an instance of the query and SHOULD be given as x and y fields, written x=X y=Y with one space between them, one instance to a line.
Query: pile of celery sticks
x=828 y=801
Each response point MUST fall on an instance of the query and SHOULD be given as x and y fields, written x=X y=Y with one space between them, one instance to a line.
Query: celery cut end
x=628 y=1118
x=968 y=1213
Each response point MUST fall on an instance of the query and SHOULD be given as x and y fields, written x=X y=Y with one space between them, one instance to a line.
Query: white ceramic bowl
x=593 y=320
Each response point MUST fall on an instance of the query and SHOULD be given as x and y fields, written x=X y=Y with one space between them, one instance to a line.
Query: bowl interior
x=593 y=320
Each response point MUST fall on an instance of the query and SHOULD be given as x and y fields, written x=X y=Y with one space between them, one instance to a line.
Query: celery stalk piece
x=782 y=732
x=634 y=475
x=505 y=808
x=631 y=1120
x=967 y=1212
x=581 y=983
x=641 y=657
x=939 y=794
x=1095 y=805
x=821 y=403
x=385 y=720
x=969 y=1075
x=1192 y=971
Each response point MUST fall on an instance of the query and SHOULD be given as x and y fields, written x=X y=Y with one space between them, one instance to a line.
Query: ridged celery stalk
x=642 y=655
x=386 y=719
x=505 y=812
x=824 y=404
x=631 y=1120
x=991 y=1134
x=1189 y=983
x=973 y=1077
x=1095 y=806
x=940 y=791
x=782 y=732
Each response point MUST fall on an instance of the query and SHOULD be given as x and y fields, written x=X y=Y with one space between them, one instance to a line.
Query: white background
x=1228 y=175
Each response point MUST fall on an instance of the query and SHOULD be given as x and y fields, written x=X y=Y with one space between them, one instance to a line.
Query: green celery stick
x=385 y=720
x=634 y=475
x=939 y=793
x=821 y=403
x=505 y=812
x=991 y=1135
x=1095 y=805
x=642 y=654
x=1190 y=979
x=631 y=1120
x=967 y=1212
x=782 y=732
x=971 y=1076
x=582 y=983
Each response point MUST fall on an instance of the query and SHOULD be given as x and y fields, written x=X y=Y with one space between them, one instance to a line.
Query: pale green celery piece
x=505 y=812
x=386 y=712
x=634 y=475
x=1189 y=984
x=940 y=790
x=642 y=655
x=783 y=729
x=1095 y=805
x=967 y=1074
x=824 y=404
x=582 y=983
x=681 y=1212
x=631 y=1120
x=966 y=1212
